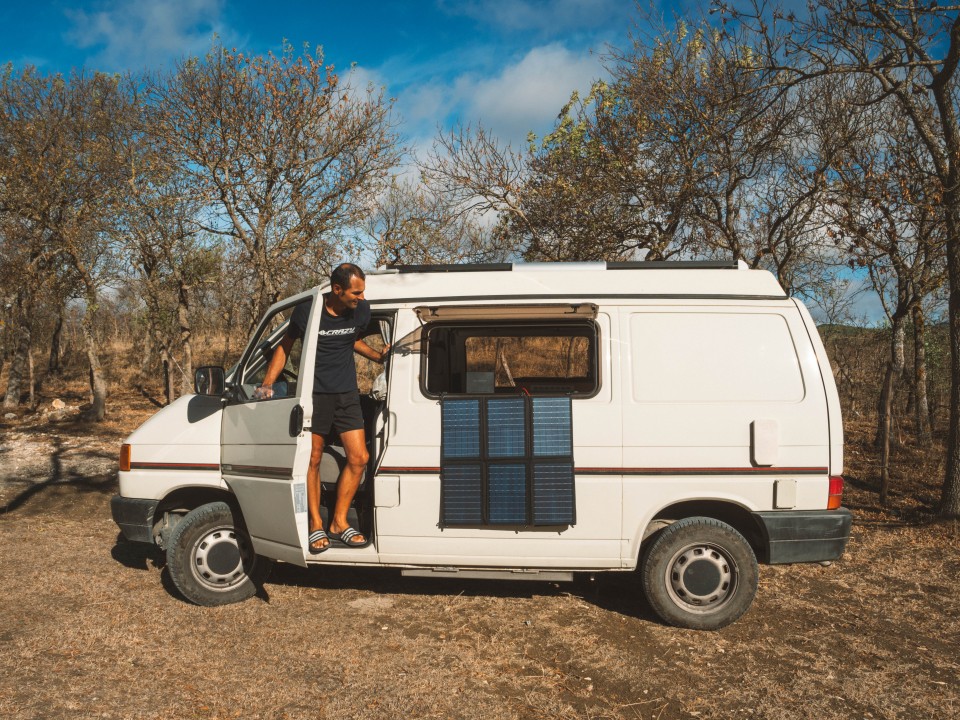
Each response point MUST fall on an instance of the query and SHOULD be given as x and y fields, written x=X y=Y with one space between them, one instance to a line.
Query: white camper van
x=533 y=421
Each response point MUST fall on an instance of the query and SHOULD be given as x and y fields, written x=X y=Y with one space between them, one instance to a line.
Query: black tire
x=699 y=573
x=211 y=561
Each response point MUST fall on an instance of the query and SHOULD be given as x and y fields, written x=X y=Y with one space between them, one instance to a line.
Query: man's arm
x=361 y=348
x=277 y=361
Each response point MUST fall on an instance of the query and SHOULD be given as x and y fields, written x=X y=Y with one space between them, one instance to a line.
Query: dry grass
x=91 y=626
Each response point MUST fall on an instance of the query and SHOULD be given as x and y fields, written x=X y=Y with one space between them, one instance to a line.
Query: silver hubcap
x=701 y=578
x=218 y=559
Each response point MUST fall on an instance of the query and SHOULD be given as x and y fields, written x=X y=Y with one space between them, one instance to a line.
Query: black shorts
x=336 y=412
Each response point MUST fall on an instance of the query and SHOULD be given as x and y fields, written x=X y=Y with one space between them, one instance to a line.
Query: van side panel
x=830 y=387
x=704 y=387
x=409 y=532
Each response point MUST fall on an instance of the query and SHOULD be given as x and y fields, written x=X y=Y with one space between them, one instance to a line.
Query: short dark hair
x=344 y=273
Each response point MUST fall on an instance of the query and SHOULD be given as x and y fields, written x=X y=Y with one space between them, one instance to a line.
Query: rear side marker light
x=125 y=458
x=835 y=494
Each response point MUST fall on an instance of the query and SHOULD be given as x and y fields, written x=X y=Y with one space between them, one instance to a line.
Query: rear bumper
x=805 y=535
x=134 y=517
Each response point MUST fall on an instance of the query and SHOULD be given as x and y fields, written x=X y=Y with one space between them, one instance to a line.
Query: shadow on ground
x=616 y=592
x=137 y=555
x=60 y=479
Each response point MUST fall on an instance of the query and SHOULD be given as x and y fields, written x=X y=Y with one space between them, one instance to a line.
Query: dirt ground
x=92 y=627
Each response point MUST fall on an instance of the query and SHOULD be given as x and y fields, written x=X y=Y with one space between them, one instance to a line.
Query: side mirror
x=209 y=380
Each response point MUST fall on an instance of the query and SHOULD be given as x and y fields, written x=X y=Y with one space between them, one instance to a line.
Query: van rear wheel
x=700 y=574
x=211 y=559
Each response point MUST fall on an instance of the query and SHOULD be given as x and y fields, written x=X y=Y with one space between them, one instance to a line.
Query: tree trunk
x=167 y=375
x=228 y=334
x=31 y=381
x=894 y=369
x=186 y=333
x=950 y=496
x=266 y=294
x=55 y=363
x=883 y=431
x=885 y=410
x=146 y=358
x=166 y=364
x=921 y=403
x=98 y=385
x=18 y=368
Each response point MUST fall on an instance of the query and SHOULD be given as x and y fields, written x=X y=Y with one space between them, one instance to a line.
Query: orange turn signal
x=835 y=493
x=125 y=457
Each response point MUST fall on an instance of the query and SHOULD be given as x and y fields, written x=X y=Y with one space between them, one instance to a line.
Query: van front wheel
x=211 y=560
x=700 y=574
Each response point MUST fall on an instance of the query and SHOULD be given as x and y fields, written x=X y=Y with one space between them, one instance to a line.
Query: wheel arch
x=182 y=500
x=733 y=514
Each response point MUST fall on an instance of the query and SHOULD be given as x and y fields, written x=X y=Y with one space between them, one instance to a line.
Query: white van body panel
x=409 y=532
x=177 y=447
x=713 y=388
x=486 y=287
x=830 y=384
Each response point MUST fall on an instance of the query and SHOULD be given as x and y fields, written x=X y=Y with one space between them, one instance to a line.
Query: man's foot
x=318 y=541
x=349 y=537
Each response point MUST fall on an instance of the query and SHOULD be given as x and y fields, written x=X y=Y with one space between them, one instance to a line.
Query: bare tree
x=64 y=183
x=889 y=220
x=596 y=189
x=910 y=51
x=410 y=224
x=476 y=174
x=160 y=232
x=288 y=152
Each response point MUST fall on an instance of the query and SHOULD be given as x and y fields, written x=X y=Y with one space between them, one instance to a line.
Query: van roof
x=574 y=281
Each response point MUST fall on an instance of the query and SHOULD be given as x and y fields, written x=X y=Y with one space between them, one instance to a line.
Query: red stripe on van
x=645 y=471
x=173 y=466
x=408 y=470
x=705 y=471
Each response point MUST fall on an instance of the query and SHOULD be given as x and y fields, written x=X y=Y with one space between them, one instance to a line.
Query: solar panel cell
x=552 y=426
x=506 y=428
x=553 y=496
x=463 y=495
x=507 y=493
x=461 y=429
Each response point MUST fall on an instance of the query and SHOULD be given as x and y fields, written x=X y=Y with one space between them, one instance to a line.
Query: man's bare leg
x=313 y=490
x=355 y=445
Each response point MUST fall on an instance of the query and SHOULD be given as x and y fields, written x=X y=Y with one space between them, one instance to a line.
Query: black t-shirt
x=334 y=371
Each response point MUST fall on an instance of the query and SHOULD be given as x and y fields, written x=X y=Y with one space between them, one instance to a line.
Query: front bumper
x=805 y=535
x=134 y=516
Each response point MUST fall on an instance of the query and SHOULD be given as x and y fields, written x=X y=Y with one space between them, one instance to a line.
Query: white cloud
x=529 y=95
x=129 y=34
x=521 y=97
x=360 y=79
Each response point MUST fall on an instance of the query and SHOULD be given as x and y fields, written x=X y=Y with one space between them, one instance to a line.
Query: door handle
x=296 y=421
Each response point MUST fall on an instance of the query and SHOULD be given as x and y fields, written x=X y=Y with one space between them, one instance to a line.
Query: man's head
x=347 y=283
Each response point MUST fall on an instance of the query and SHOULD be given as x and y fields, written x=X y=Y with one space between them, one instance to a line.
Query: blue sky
x=510 y=64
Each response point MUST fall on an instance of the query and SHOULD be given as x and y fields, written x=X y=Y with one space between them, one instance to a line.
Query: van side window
x=535 y=358
x=288 y=321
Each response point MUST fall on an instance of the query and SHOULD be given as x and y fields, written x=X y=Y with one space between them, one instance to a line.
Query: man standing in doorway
x=336 y=400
